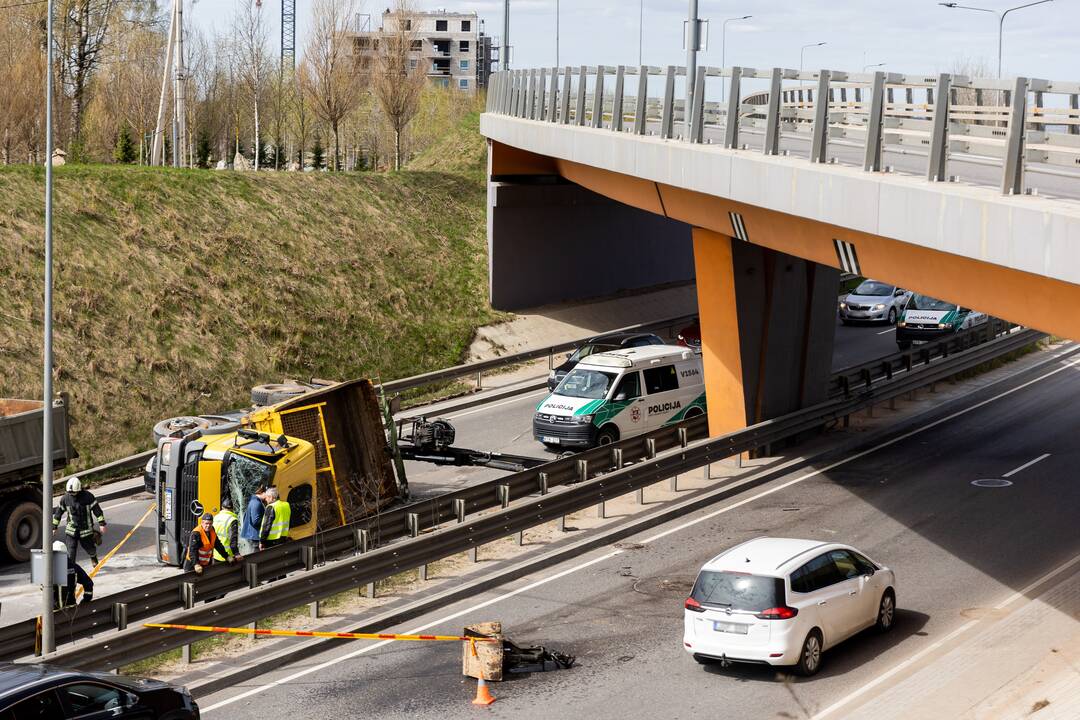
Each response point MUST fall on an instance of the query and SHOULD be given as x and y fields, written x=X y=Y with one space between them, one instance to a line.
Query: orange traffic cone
x=483 y=695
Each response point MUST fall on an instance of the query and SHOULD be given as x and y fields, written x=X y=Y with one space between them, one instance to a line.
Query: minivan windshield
x=873 y=287
x=581 y=383
x=591 y=349
x=924 y=302
x=738 y=591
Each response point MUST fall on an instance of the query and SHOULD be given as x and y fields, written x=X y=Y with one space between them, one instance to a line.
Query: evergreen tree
x=317 y=154
x=124 y=152
x=202 y=150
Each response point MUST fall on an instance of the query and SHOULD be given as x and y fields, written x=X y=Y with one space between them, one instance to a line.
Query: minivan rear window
x=738 y=591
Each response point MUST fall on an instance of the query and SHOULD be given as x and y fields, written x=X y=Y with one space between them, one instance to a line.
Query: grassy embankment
x=176 y=290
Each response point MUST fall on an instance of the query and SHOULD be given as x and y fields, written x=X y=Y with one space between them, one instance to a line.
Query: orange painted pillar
x=720 y=350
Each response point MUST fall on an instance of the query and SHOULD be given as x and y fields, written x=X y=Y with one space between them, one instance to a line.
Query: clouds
x=915 y=36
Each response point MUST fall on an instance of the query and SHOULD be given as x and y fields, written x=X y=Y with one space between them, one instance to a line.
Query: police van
x=926 y=318
x=621 y=393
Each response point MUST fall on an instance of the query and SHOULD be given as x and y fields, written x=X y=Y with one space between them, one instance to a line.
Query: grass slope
x=177 y=290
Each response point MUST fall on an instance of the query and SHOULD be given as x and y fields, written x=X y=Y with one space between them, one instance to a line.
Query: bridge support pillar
x=767 y=326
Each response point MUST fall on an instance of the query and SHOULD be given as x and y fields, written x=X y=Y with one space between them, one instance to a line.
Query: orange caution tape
x=94 y=570
x=316 y=633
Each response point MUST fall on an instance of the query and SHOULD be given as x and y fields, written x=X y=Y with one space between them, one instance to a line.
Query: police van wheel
x=607 y=436
x=694 y=412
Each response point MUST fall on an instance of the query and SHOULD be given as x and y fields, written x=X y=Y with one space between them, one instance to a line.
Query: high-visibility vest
x=223 y=523
x=206 y=550
x=280 y=527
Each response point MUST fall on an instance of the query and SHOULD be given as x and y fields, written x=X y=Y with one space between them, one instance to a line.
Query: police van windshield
x=924 y=302
x=590 y=384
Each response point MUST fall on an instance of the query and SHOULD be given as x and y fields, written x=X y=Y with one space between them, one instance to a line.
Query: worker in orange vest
x=201 y=546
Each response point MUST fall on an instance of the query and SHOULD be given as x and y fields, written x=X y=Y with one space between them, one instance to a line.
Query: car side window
x=661 y=379
x=44 y=705
x=87 y=698
x=629 y=387
x=866 y=567
x=814 y=575
x=845 y=564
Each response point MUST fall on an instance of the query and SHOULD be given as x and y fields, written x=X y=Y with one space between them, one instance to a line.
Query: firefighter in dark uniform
x=82 y=510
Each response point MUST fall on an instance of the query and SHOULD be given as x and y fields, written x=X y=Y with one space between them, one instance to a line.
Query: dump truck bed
x=20 y=438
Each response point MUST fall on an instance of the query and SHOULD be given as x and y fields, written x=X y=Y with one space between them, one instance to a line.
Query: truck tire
x=20 y=524
x=183 y=423
x=273 y=393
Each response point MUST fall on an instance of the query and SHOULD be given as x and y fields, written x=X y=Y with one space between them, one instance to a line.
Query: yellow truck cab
x=196 y=472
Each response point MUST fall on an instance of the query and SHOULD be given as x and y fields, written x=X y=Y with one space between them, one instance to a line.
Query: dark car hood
x=135 y=684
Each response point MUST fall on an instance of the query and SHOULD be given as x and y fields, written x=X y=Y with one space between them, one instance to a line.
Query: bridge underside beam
x=767 y=326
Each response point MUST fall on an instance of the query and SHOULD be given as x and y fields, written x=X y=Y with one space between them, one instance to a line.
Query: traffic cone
x=483 y=695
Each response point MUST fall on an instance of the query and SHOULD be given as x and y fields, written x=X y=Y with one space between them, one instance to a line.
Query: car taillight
x=778 y=613
x=692 y=604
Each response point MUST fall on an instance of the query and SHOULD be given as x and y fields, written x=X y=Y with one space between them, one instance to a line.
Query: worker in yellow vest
x=275 y=524
x=226 y=526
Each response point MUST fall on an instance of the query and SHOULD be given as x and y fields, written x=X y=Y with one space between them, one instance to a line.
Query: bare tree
x=301 y=110
x=398 y=76
x=252 y=59
x=336 y=85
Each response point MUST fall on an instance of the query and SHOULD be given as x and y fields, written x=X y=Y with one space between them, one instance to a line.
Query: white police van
x=621 y=393
x=926 y=318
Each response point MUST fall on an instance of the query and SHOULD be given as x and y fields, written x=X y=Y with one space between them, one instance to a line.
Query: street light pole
x=640 y=30
x=867 y=67
x=505 y=58
x=691 y=57
x=723 y=49
x=802 y=50
x=556 y=33
x=48 y=640
x=1001 y=19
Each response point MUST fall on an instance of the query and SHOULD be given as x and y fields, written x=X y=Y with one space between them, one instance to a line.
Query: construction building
x=452 y=48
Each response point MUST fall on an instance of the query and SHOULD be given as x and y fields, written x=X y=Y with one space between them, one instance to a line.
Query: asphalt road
x=958 y=549
x=503 y=427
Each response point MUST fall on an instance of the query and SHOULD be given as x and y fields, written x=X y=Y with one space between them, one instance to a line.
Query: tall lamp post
x=723 y=47
x=1001 y=19
x=867 y=67
x=48 y=640
x=802 y=51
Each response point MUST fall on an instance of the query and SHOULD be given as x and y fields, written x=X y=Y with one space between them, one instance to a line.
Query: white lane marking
x=568 y=571
x=1026 y=465
x=415 y=631
x=485 y=408
x=883 y=332
x=935 y=645
x=109 y=506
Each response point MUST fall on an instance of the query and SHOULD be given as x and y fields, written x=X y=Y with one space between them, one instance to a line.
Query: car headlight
x=583 y=419
x=944 y=326
x=843 y=306
x=879 y=306
x=901 y=323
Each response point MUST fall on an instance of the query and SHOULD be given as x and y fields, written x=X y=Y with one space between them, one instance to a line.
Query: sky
x=910 y=36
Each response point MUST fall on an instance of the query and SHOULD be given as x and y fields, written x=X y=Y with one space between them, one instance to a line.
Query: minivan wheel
x=886 y=612
x=606 y=436
x=892 y=316
x=810 y=657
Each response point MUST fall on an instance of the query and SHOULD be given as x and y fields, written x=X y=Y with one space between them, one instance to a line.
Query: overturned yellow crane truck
x=325 y=451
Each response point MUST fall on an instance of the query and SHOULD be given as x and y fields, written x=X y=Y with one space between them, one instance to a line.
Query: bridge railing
x=1019 y=125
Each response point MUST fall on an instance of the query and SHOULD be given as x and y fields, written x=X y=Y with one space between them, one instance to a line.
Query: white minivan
x=621 y=393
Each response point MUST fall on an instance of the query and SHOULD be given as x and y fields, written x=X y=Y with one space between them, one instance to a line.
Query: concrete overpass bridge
x=766 y=184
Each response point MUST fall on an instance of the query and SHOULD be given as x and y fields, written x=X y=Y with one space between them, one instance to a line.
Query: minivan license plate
x=550 y=440
x=737 y=628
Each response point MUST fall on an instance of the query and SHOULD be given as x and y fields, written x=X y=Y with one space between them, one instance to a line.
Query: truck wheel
x=20 y=523
x=183 y=423
x=273 y=393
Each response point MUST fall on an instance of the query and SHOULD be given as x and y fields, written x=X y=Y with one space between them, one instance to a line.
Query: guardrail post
x=579 y=116
x=307 y=555
x=508 y=93
x=553 y=96
x=412 y=525
x=772 y=122
x=598 y=99
x=459 y=509
x=530 y=94
x=617 y=100
x=1074 y=105
x=667 y=120
x=187 y=598
x=502 y=492
x=542 y=480
x=362 y=540
x=939 y=138
x=731 y=120
x=641 y=107
x=697 y=110
x=1012 y=178
x=515 y=91
x=120 y=615
x=582 y=470
x=479 y=379
x=872 y=154
x=616 y=458
x=541 y=88
x=820 y=143
x=650 y=448
x=564 y=101
x=601 y=510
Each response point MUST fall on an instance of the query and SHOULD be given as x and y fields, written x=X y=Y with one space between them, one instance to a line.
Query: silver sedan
x=873 y=301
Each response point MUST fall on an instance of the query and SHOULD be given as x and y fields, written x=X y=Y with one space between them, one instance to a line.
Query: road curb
x=202 y=687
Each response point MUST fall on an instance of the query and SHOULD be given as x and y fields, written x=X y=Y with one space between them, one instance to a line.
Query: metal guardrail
x=589 y=478
x=1006 y=122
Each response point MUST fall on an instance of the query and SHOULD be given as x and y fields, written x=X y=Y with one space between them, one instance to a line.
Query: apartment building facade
x=451 y=48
